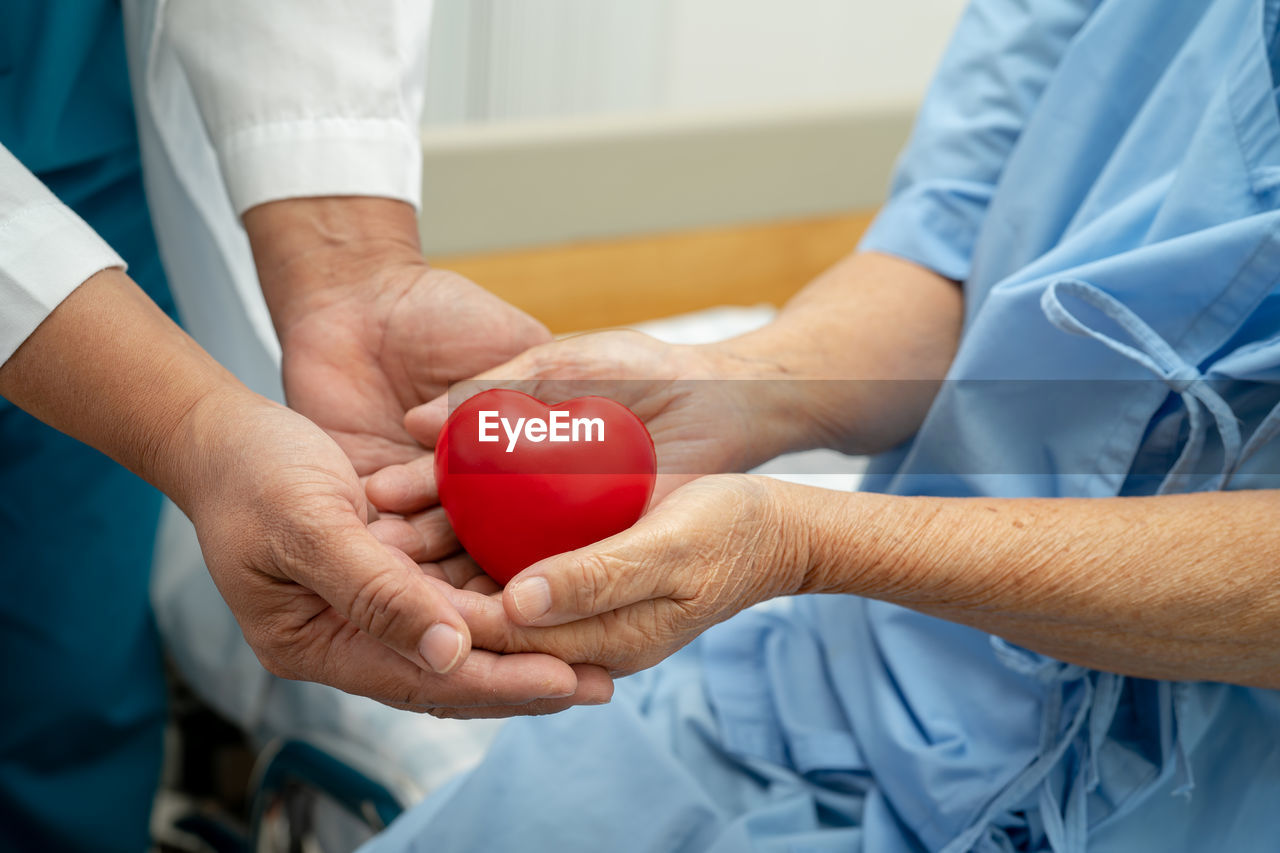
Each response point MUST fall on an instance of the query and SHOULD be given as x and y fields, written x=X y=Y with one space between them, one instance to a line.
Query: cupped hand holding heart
x=699 y=426
x=521 y=480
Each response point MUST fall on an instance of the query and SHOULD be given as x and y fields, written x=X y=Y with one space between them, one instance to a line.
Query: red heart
x=514 y=501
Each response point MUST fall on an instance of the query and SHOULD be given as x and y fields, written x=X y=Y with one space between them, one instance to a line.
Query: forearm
x=1177 y=587
x=110 y=369
x=860 y=353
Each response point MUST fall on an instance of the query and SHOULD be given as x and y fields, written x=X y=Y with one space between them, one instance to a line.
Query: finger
x=425 y=536
x=616 y=642
x=435 y=534
x=492 y=630
x=595 y=687
x=405 y=488
x=425 y=422
x=385 y=595
x=433 y=570
x=351 y=660
x=397 y=533
x=462 y=572
x=485 y=618
x=606 y=576
x=370 y=511
x=429 y=570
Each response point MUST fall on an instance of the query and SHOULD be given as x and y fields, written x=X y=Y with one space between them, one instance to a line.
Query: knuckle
x=618 y=640
x=590 y=579
x=376 y=605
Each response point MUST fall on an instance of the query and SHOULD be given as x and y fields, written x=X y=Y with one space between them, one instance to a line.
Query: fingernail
x=441 y=647
x=532 y=598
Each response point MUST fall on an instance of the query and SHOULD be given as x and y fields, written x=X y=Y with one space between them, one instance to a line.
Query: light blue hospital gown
x=1104 y=178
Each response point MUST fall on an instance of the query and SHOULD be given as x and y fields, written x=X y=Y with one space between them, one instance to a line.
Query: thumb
x=524 y=372
x=425 y=422
x=385 y=594
x=608 y=575
x=411 y=486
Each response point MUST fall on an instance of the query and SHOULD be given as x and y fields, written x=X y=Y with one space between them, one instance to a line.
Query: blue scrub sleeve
x=992 y=75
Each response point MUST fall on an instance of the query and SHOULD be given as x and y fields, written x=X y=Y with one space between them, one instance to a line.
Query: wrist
x=314 y=252
x=862 y=351
x=794 y=544
x=769 y=391
x=203 y=448
x=110 y=369
x=886 y=547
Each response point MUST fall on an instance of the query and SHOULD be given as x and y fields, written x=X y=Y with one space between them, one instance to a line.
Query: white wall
x=494 y=60
x=752 y=53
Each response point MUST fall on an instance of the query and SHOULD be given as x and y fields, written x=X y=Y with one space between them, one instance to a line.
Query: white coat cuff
x=46 y=251
x=322 y=157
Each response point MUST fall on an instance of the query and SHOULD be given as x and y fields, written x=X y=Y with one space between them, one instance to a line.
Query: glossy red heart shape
x=516 y=493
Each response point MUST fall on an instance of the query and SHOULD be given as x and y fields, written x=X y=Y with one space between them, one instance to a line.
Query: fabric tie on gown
x=1086 y=700
x=1155 y=354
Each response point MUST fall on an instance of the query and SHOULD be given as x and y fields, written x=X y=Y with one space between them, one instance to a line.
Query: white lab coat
x=239 y=102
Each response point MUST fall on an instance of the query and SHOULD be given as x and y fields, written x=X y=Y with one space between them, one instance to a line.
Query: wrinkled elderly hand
x=702 y=419
x=712 y=548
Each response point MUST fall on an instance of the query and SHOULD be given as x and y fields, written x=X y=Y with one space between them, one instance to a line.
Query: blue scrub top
x=82 y=690
x=64 y=84
x=1104 y=178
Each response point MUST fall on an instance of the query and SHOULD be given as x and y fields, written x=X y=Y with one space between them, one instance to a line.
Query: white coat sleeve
x=306 y=97
x=46 y=251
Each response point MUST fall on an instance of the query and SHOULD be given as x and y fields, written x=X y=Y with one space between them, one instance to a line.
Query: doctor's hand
x=714 y=547
x=368 y=330
x=703 y=415
x=277 y=506
x=280 y=516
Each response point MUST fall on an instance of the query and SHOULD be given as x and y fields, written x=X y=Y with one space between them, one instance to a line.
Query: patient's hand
x=712 y=548
x=703 y=418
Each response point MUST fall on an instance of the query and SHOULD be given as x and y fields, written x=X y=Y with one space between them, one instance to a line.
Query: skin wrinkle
x=734 y=583
x=998 y=582
x=405 y=373
x=373 y=605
